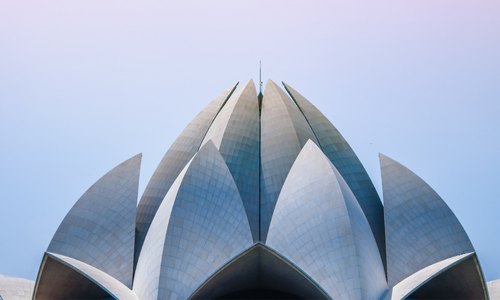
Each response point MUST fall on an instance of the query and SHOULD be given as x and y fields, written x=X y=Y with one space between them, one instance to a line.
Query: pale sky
x=85 y=85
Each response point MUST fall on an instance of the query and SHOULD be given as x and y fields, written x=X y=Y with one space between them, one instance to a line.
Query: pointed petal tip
x=312 y=144
x=387 y=159
x=136 y=160
x=209 y=145
x=273 y=84
x=249 y=83
x=270 y=81
x=232 y=87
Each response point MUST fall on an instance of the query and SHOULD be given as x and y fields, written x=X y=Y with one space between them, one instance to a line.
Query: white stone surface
x=420 y=228
x=284 y=131
x=336 y=148
x=235 y=132
x=114 y=287
x=411 y=283
x=200 y=225
x=494 y=289
x=319 y=226
x=100 y=228
x=14 y=288
x=176 y=158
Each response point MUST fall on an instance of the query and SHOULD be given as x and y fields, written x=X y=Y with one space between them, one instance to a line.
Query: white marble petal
x=176 y=158
x=284 y=131
x=420 y=228
x=200 y=225
x=100 y=228
x=320 y=227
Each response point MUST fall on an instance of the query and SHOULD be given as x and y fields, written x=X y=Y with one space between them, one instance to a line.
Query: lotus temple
x=260 y=197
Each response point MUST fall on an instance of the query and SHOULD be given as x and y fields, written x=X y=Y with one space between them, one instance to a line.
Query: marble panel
x=235 y=132
x=347 y=163
x=14 y=288
x=420 y=228
x=284 y=131
x=100 y=228
x=319 y=226
x=199 y=227
x=180 y=153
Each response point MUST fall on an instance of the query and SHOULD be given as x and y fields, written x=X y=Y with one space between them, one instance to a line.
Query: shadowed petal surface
x=235 y=132
x=102 y=222
x=347 y=163
x=176 y=158
x=420 y=228
x=63 y=277
x=456 y=277
x=284 y=131
x=200 y=226
x=319 y=226
x=256 y=269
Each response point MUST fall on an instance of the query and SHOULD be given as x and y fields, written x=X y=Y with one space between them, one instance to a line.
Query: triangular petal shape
x=456 y=277
x=14 y=288
x=200 y=225
x=235 y=132
x=176 y=158
x=284 y=131
x=103 y=220
x=63 y=277
x=420 y=228
x=320 y=227
x=462 y=281
x=347 y=163
x=263 y=273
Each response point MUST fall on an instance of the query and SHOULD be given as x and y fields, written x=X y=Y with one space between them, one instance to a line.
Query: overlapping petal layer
x=259 y=268
x=200 y=225
x=100 y=228
x=235 y=132
x=336 y=148
x=176 y=158
x=420 y=228
x=63 y=277
x=319 y=225
x=456 y=277
x=260 y=200
x=284 y=131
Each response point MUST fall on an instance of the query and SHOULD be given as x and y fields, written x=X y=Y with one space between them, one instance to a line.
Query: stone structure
x=13 y=288
x=259 y=197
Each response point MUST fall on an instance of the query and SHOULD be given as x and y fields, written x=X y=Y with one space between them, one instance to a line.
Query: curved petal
x=319 y=226
x=347 y=163
x=454 y=278
x=200 y=225
x=235 y=132
x=176 y=158
x=78 y=279
x=420 y=228
x=284 y=131
x=103 y=219
x=14 y=288
x=259 y=270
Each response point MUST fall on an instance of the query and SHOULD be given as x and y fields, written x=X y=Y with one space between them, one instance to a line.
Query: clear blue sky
x=85 y=85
